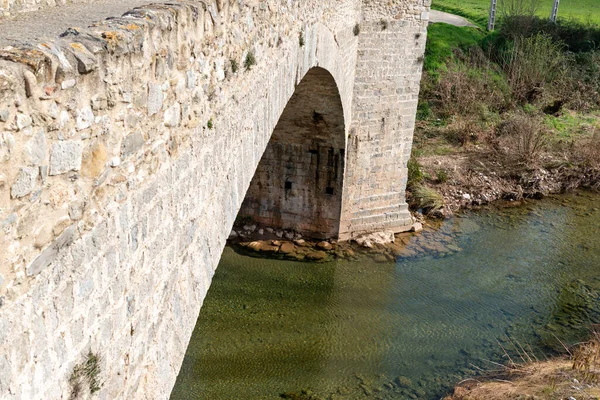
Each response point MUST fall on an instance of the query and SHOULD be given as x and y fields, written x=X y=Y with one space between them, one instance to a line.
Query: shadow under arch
x=299 y=180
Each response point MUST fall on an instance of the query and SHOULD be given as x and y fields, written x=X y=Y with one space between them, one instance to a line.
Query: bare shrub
x=464 y=88
x=587 y=151
x=518 y=16
x=522 y=137
x=531 y=63
x=464 y=130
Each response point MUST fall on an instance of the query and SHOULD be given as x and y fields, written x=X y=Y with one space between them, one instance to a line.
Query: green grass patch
x=478 y=10
x=442 y=39
x=572 y=125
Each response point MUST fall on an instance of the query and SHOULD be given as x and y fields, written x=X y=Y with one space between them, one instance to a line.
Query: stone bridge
x=128 y=147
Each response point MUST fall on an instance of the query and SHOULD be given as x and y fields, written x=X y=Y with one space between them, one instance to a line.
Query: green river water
x=483 y=282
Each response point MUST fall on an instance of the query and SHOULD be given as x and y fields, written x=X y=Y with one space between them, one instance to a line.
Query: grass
x=477 y=10
x=570 y=125
x=85 y=377
x=442 y=39
x=426 y=198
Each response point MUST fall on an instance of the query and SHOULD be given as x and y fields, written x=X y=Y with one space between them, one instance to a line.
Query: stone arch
x=298 y=183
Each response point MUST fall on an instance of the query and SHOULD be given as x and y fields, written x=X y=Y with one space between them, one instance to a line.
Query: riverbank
x=574 y=377
x=506 y=115
x=473 y=177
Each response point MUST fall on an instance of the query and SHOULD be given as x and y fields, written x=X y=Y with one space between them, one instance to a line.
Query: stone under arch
x=298 y=183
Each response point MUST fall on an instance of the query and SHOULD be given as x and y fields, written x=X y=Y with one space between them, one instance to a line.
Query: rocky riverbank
x=474 y=178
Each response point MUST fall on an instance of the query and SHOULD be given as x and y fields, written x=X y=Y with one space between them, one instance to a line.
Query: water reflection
x=410 y=329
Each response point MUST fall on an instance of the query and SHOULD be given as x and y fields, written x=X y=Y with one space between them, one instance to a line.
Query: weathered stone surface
x=65 y=157
x=36 y=148
x=68 y=83
x=99 y=102
x=131 y=144
x=86 y=62
x=25 y=182
x=23 y=121
x=155 y=98
x=85 y=118
x=379 y=238
x=48 y=255
x=287 y=248
x=173 y=116
x=146 y=237
x=324 y=245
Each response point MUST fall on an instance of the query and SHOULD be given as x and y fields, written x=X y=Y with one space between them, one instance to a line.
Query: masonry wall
x=126 y=150
x=299 y=181
x=388 y=72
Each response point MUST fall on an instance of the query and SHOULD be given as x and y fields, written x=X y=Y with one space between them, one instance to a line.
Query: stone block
x=35 y=149
x=84 y=118
x=173 y=116
x=131 y=144
x=25 y=182
x=155 y=98
x=23 y=121
x=65 y=157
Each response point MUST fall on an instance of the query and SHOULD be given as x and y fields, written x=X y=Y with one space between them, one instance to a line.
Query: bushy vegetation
x=504 y=89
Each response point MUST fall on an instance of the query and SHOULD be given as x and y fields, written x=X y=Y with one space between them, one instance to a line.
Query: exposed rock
x=65 y=157
x=68 y=84
x=23 y=121
x=173 y=116
x=35 y=149
x=114 y=162
x=99 y=102
x=84 y=118
x=324 y=245
x=131 y=144
x=249 y=228
x=368 y=241
x=155 y=98
x=417 y=227
x=25 y=182
x=233 y=235
x=287 y=248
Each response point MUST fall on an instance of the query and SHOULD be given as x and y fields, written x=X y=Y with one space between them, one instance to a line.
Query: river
x=482 y=287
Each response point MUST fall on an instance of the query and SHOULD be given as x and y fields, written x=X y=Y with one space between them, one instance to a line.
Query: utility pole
x=554 y=11
x=492 y=19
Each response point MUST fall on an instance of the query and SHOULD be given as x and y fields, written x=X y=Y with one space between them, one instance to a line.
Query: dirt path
x=440 y=16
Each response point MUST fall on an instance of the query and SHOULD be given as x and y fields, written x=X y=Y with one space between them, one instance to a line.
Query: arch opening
x=299 y=180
